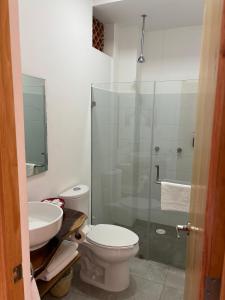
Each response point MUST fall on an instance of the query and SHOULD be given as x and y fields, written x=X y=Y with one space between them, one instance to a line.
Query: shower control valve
x=179 y=150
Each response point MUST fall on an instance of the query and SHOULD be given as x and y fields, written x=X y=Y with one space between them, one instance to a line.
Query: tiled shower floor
x=166 y=248
x=149 y=281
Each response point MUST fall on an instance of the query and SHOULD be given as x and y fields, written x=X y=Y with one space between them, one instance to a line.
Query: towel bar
x=159 y=181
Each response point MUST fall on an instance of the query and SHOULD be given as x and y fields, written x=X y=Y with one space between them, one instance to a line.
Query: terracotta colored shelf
x=45 y=286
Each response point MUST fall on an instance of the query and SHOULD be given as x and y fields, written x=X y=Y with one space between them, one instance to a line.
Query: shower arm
x=143 y=34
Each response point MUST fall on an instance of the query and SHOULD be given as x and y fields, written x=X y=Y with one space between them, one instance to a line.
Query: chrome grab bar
x=157 y=181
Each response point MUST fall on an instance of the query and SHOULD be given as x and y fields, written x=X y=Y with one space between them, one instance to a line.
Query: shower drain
x=160 y=231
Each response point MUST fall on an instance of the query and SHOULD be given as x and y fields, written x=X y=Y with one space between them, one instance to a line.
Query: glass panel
x=121 y=156
x=35 y=125
x=136 y=126
x=173 y=135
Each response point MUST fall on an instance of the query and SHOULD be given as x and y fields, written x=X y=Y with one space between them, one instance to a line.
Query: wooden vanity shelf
x=45 y=286
x=40 y=258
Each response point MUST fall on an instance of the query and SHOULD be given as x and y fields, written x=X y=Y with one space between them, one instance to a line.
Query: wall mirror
x=35 y=124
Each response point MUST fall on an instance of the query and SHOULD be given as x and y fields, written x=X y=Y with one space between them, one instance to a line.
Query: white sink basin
x=45 y=221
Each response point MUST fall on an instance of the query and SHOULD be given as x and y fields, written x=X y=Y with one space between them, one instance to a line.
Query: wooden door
x=222 y=292
x=207 y=238
x=10 y=230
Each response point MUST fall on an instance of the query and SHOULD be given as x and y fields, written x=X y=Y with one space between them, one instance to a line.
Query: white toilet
x=106 y=249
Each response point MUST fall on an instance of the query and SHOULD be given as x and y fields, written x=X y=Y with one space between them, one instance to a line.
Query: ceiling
x=162 y=13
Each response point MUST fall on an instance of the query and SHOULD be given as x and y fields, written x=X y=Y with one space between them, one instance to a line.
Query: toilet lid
x=112 y=236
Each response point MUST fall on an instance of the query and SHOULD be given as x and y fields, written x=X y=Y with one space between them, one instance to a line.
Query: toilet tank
x=77 y=198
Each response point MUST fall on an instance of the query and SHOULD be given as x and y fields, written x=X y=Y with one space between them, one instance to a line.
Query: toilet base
x=113 y=277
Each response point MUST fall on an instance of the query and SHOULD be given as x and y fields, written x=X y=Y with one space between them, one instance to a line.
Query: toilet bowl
x=106 y=250
x=105 y=256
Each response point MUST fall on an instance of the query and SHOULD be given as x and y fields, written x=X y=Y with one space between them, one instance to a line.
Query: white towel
x=66 y=252
x=30 y=169
x=175 y=196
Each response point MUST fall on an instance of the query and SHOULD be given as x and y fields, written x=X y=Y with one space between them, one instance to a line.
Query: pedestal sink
x=45 y=221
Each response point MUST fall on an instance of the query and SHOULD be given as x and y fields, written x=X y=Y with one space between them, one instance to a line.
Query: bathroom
x=109 y=131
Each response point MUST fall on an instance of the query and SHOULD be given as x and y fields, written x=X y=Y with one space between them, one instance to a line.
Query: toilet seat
x=112 y=236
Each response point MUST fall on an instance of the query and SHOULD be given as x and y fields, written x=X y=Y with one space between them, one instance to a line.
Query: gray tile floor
x=149 y=281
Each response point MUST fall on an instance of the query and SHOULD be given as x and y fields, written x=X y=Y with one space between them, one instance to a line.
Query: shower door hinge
x=212 y=288
x=17 y=273
x=93 y=104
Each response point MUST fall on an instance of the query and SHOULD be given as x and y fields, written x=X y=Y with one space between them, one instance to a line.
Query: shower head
x=141 y=58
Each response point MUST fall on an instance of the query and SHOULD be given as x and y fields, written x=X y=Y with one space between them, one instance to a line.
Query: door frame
x=214 y=237
x=206 y=243
x=14 y=234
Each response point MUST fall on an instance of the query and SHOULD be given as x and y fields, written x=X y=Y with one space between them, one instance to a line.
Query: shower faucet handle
x=179 y=150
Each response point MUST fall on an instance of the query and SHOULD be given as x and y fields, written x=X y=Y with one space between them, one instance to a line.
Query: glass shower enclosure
x=142 y=132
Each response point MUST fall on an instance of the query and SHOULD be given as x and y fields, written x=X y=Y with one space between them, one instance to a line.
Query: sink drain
x=160 y=231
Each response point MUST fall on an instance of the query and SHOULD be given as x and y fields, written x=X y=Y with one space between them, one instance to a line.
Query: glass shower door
x=173 y=142
x=136 y=127
x=122 y=120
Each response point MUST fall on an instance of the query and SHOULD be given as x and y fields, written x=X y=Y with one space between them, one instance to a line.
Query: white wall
x=171 y=54
x=56 y=41
x=102 y=2
x=125 y=53
x=109 y=30
x=101 y=66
